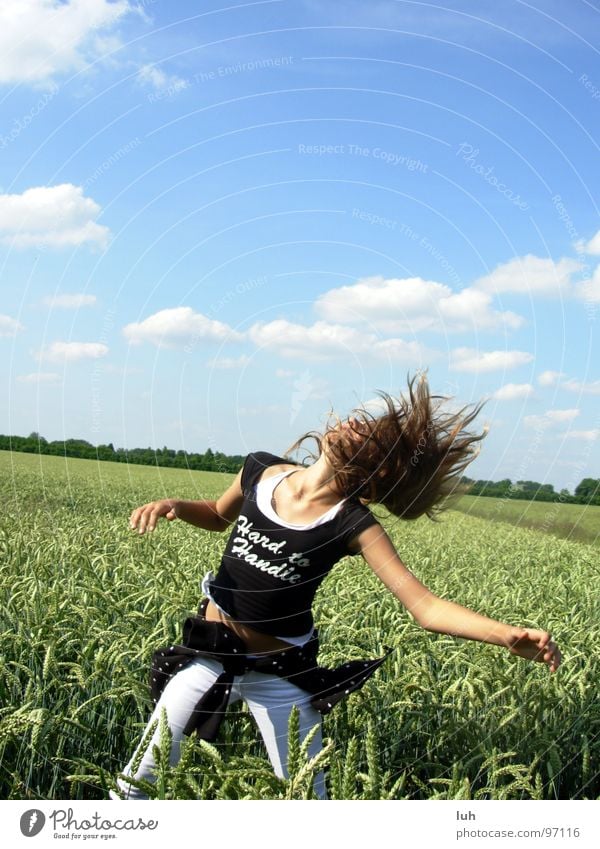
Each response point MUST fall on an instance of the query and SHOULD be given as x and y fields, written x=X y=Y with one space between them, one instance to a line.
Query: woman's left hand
x=535 y=645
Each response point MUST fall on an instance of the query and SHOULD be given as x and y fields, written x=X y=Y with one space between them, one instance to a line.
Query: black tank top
x=269 y=573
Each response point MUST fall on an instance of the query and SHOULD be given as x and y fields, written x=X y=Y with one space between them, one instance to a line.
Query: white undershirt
x=264 y=496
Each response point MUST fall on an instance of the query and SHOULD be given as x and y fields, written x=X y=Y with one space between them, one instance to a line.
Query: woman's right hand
x=145 y=518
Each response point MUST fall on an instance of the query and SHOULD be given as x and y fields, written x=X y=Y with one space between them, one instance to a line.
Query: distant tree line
x=586 y=492
x=209 y=461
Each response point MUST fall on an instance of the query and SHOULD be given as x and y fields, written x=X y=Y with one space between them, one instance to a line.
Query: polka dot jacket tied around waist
x=298 y=664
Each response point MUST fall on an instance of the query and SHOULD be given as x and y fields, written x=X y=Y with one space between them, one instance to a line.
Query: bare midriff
x=256 y=643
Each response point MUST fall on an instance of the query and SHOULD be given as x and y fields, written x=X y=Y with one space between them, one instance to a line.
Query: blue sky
x=216 y=225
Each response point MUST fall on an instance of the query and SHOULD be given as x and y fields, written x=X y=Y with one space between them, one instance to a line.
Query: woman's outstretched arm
x=210 y=515
x=446 y=617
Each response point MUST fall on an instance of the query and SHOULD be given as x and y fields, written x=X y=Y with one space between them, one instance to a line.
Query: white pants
x=269 y=698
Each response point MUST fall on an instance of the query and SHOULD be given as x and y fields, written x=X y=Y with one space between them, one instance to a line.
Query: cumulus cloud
x=513 y=391
x=318 y=341
x=69 y=302
x=586 y=435
x=54 y=216
x=70 y=352
x=412 y=304
x=589 y=290
x=554 y=378
x=38 y=377
x=549 y=378
x=400 y=350
x=159 y=81
x=9 y=326
x=471 y=308
x=471 y=360
x=562 y=415
x=592 y=388
x=550 y=418
x=40 y=39
x=531 y=275
x=322 y=341
x=371 y=298
x=591 y=247
x=178 y=326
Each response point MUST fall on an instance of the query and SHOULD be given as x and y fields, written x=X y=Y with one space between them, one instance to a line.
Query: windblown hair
x=409 y=459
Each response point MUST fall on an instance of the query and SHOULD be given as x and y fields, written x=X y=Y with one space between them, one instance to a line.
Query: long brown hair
x=409 y=458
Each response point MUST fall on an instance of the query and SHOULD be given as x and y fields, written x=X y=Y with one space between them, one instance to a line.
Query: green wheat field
x=85 y=601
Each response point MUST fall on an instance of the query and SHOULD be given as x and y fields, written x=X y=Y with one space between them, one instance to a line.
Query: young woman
x=254 y=637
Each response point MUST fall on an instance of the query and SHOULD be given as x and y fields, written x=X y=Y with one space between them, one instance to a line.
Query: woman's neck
x=315 y=484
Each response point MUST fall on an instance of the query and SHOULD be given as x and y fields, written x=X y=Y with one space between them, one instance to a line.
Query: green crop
x=85 y=601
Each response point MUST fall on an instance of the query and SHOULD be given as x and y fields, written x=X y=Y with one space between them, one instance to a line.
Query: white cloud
x=562 y=415
x=318 y=341
x=228 y=362
x=471 y=308
x=161 y=82
x=9 y=326
x=40 y=377
x=40 y=39
x=589 y=290
x=50 y=215
x=372 y=298
x=282 y=372
x=586 y=435
x=170 y=328
x=531 y=275
x=549 y=378
x=573 y=385
x=552 y=378
x=69 y=352
x=591 y=247
x=471 y=360
x=321 y=341
x=551 y=417
x=412 y=304
x=399 y=350
x=513 y=391
x=70 y=302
